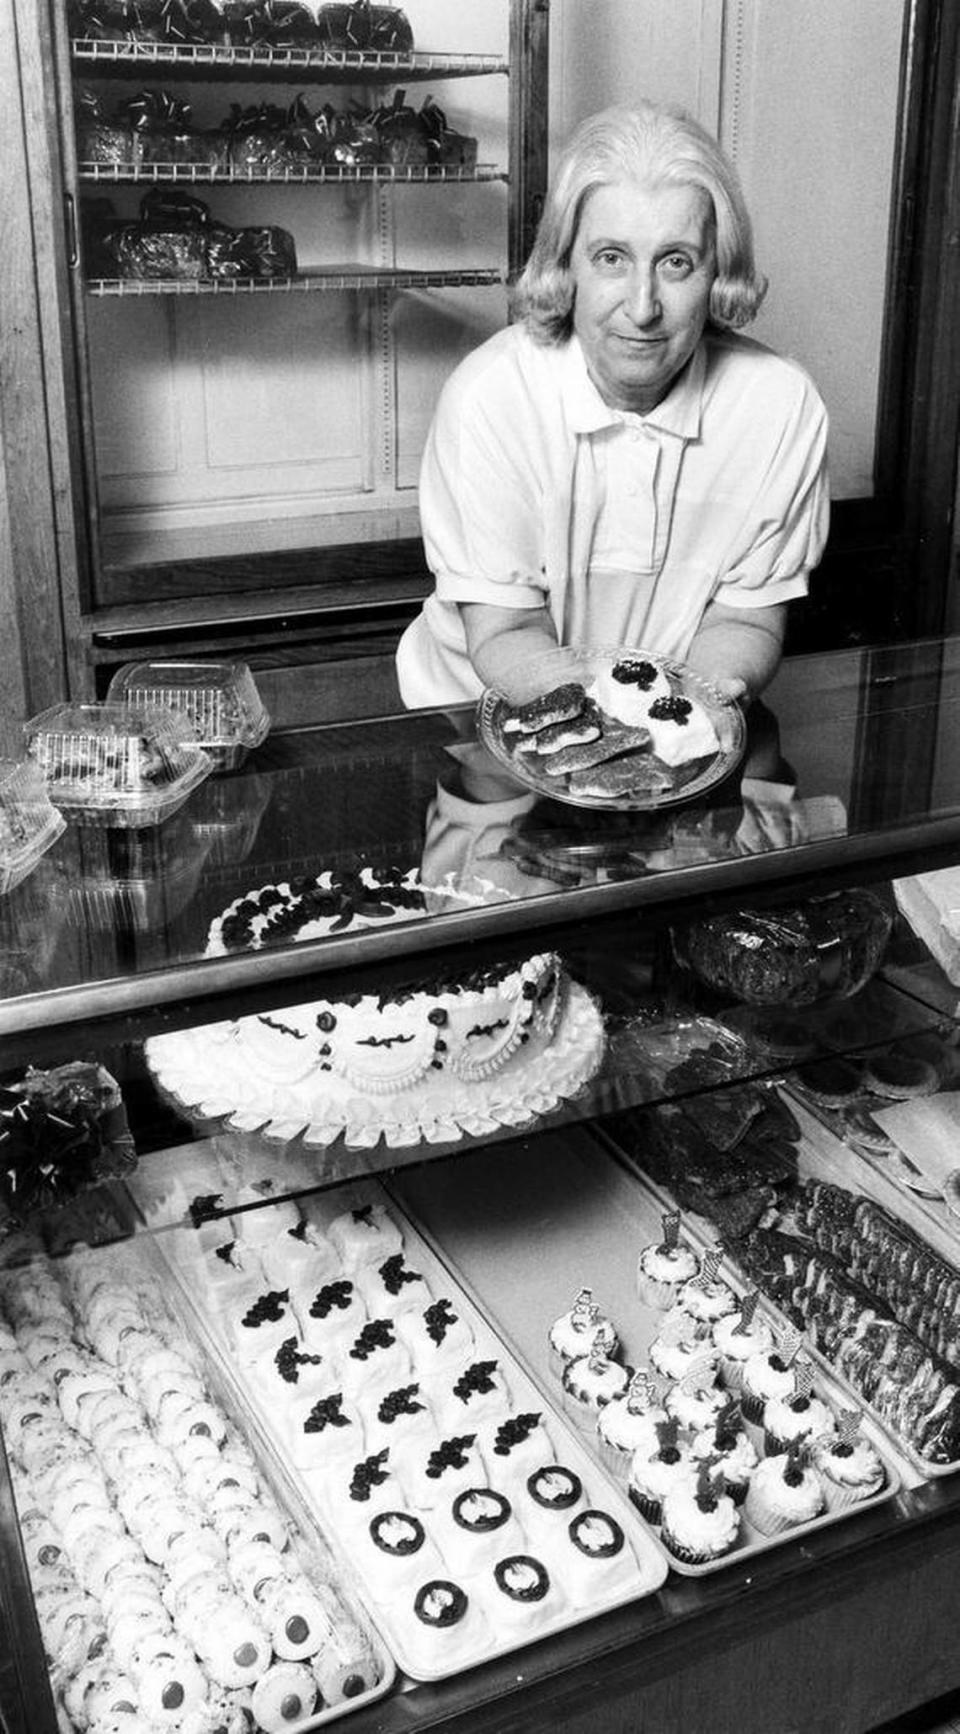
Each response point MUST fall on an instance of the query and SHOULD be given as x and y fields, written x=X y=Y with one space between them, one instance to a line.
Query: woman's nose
x=642 y=296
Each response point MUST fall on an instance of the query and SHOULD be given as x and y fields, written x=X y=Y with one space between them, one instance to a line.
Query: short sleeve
x=481 y=498
x=783 y=532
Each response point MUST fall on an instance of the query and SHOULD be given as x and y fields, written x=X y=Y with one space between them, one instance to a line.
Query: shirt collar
x=678 y=413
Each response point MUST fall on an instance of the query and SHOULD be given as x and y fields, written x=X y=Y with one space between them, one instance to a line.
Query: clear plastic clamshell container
x=29 y=822
x=116 y=764
x=220 y=699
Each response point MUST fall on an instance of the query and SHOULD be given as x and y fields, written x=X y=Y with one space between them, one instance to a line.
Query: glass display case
x=606 y=1028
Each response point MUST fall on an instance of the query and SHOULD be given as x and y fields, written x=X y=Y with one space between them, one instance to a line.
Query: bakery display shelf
x=320 y=174
x=324 y=1487
x=208 y=60
x=573 y=1215
x=816 y=1161
x=323 y=279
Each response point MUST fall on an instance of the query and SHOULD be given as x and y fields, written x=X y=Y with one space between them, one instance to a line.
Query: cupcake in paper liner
x=626 y=1424
x=700 y=1521
x=784 y=1491
x=680 y=1345
x=589 y=1383
x=768 y=1373
x=665 y=1265
x=737 y=1336
x=706 y=1297
x=653 y=1474
x=800 y=1418
x=574 y=1333
x=848 y=1466
x=725 y=1445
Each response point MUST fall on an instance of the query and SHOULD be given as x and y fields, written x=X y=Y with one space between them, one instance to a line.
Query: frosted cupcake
x=706 y=1297
x=626 y=1424
x=682 y=1345
x=576 y=1332
x=784 y=1491
x=696 y=1402
x=848 y=1466
x=665 y=1266
x=801 y=1418
x=728 y=1448
x=652 y=1476
x=737 y=1336
x=590 y=1382
x=769 y=1373
x=700 y=1522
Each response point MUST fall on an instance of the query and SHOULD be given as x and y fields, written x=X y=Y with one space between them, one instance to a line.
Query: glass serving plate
x=543 y=674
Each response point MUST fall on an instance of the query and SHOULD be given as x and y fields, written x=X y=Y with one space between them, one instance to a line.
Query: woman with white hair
x=619 y=467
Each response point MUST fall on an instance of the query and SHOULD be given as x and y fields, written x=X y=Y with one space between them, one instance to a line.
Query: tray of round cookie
x=474 y=1520
x=613 y=728
x=573 y=1206
x=241 y=1608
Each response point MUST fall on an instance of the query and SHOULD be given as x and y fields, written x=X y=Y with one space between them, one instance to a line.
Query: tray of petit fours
x=727 y=1436
x=612 y=728
x=178 y=1578
x=472 y=1515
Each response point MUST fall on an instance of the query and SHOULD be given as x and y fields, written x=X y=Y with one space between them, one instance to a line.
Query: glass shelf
x=323 y=278
x=391 y=174
x=212 y=59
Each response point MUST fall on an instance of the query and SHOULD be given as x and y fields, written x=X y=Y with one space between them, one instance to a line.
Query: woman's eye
x=677 y=265
x=608 y=259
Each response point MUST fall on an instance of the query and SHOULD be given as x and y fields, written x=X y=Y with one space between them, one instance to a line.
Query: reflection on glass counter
x=849 y=758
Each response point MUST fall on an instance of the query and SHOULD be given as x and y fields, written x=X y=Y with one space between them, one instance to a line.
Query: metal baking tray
x=321 y=1492
x=570 y=1215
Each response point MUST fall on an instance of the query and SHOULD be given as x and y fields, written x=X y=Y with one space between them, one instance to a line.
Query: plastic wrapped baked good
x=61 y=1131
x=160 y=127
x=824 y=949
x=364 y=27
x=263 y=252
x=100 y=137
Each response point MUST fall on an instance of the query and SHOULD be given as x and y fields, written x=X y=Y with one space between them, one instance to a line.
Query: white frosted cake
x=435 y=1061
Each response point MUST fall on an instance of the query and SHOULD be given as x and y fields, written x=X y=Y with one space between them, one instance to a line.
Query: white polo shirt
x=534 y=491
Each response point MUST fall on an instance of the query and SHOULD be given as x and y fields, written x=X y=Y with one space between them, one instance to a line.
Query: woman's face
x=643 y=265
